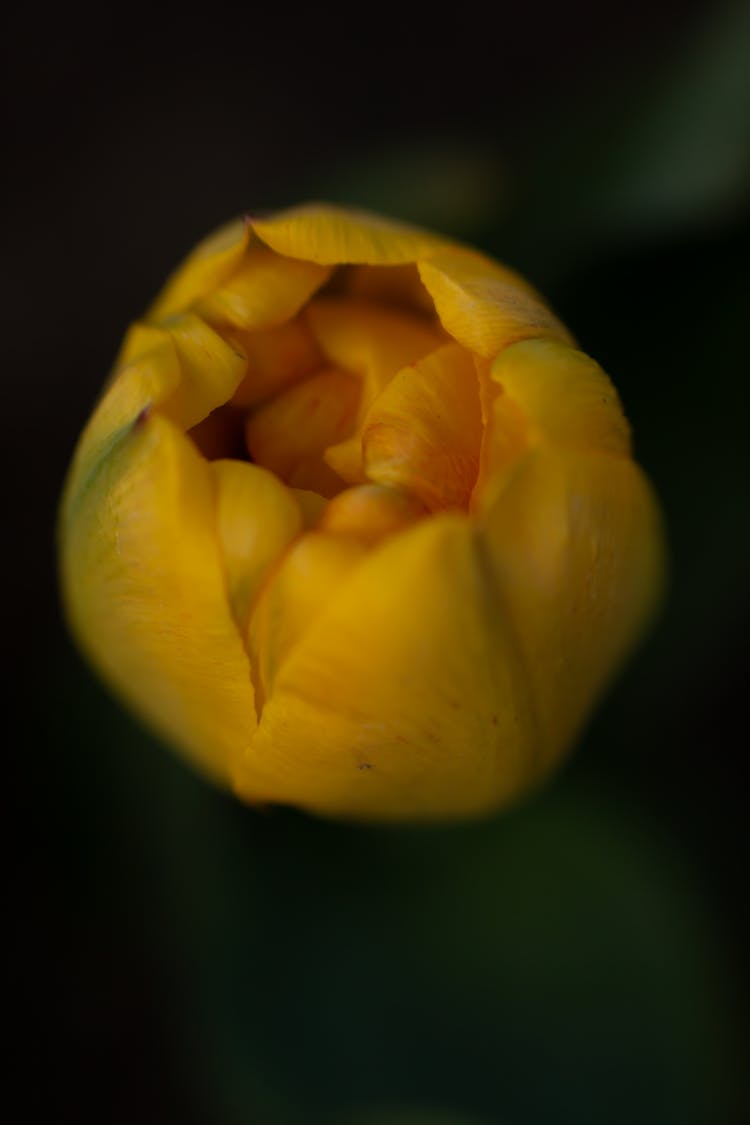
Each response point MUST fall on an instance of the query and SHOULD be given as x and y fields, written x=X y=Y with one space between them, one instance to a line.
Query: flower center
x=355 y=394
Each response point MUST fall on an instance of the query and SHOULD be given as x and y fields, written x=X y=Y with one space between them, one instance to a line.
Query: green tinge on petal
x=145 y=383
x=145 y=592
x=182 y=370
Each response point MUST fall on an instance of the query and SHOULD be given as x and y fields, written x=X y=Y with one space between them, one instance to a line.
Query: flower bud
x=354 y=525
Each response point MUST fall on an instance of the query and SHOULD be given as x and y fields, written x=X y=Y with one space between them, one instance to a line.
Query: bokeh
x=580 y=959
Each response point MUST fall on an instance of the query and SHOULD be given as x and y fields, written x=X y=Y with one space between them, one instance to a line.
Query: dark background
x=181 y=959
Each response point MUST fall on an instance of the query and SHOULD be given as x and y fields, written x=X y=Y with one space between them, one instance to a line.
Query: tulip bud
x=354 y=525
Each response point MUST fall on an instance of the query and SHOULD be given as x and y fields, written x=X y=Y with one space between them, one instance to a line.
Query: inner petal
x=397 y=286
x=289 y=435
x=257 y=518
x=424 y=432
x=296 y=593
x=276 y=358
x=372 y=342
x=265 y=289
x=371 y=512
x=369 y=340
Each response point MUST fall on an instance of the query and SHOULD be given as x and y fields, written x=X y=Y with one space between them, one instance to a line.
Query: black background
x=182 y=959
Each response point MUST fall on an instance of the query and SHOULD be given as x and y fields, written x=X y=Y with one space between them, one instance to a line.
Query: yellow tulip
x=354 y=525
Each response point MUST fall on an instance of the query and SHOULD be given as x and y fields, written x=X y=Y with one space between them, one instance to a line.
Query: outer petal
x=543 y=391
x=564 y=394
x=484 y=305
x=210 y=263
x=183 y=370
x=146 y=593
x=576 y=548
x=405 y=696
x=330 y=235
x=146 y=382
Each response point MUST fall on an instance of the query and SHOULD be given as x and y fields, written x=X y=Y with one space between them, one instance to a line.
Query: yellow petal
x=182 y=370
x=311 y=505
x=264 y=290
x=373 y=343
x=276 y=358
x=405 y=696
x=210 y=371
x=564 y=394
x=209 y=264
x=545 y=391
x=399 y=286
x=345 y=458
x=143 y=384
x=257 y=519
x=371 y=512
x=330 y=235
x=304 y=582
x=290 y=433
x=140 y=340
x=424 y=432
x=368 y=340
x=577 y=552
x=484 y=305
x=145 y=593
x=314 y=474
x=505 y=438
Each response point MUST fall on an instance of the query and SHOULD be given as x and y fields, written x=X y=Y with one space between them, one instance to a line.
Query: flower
x=355 y=526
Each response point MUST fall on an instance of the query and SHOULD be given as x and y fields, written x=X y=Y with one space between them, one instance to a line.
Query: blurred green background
x=581 y=959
